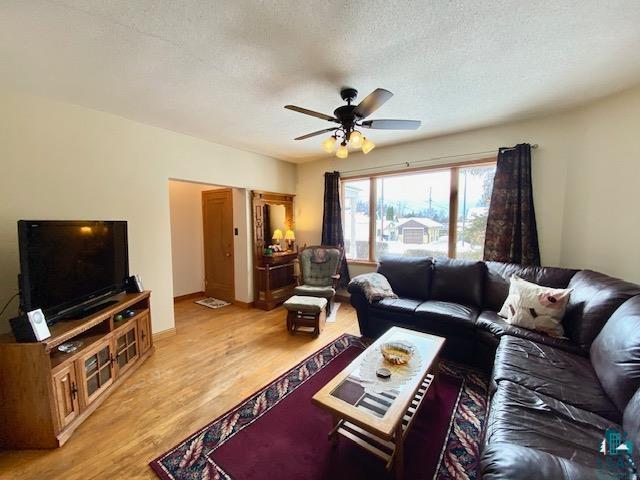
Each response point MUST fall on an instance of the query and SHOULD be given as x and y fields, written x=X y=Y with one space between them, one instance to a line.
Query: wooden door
x=95 y=369
x=127 y=349
x=217 y=215
x=144 y=334
x=65 y=388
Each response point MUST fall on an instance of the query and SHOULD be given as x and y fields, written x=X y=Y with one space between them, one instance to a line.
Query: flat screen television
x=69 y=266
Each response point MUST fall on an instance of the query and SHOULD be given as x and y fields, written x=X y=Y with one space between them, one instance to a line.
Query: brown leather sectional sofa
x=552 y=400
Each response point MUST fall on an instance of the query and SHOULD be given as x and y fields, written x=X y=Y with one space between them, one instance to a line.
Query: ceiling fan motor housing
x=346 y=115
x=348 y=94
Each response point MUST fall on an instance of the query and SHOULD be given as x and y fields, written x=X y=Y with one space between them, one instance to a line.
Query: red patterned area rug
x=278 y=433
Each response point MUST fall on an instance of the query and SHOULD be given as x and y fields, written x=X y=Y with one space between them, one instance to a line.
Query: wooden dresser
x=46 y=394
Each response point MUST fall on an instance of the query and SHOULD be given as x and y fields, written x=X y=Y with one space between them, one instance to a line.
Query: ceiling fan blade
x=372 y=102
x=313 y=134
x=392 y=124
x=311 y=112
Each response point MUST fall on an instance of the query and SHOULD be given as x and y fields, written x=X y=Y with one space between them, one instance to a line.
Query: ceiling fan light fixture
x=343 y=151
x=355 y=139
x=329 y=144
x=367 y=145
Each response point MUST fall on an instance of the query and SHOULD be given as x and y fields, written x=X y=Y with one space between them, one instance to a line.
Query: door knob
x=227 y=254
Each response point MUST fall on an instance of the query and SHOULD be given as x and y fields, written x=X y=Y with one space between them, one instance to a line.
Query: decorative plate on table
x=70 y=347
x=400 y=374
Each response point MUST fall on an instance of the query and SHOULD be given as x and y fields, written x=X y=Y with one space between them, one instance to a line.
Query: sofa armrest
x=354 y=287
x=505 y=461
x=360 y=303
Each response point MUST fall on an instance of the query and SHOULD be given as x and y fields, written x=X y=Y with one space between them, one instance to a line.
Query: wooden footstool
x=306 y=314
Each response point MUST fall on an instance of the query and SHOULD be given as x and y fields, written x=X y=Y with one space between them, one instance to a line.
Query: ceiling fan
x=349 y=117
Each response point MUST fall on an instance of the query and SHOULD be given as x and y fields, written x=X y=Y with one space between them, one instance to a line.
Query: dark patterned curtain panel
x=512 y=235
x=332 y=233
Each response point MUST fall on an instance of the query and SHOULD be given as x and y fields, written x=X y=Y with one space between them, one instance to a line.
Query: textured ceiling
x=223 y=70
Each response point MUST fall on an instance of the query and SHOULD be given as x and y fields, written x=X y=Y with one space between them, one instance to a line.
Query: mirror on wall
x=274 y=218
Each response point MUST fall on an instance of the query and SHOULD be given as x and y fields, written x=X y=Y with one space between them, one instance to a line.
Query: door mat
x=212 y=302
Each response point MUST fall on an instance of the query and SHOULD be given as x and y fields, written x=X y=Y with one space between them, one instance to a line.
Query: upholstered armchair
x=317 y=275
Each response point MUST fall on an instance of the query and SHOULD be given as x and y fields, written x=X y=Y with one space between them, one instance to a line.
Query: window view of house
x=412 y=213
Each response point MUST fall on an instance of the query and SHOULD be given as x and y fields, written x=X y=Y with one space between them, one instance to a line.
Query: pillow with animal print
x=535 y=307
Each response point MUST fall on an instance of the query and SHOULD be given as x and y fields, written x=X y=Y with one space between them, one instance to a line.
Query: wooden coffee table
x=378 y=414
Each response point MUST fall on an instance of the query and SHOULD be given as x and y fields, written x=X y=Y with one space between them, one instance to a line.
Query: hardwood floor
x=216 y=359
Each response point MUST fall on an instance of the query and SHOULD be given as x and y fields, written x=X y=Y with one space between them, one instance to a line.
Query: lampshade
x=342 y=152
x=355 y=139
x=289 y=235
x=329 y=144
x=277 y=234
x=367 y=145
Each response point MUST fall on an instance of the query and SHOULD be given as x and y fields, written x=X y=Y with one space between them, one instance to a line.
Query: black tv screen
x=65 y=264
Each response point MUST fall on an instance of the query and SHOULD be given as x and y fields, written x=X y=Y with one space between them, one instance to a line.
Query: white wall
x=243 y=256
x=61 y=161
x=187 y=239
x=585 y=176
x=601 y=227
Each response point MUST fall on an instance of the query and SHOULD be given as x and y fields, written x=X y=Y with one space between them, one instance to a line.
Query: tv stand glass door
x=97 y=370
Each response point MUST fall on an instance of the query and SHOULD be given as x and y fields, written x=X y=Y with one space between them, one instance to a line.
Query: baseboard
x=169 y=332
x=243 y=304
x=188 y=296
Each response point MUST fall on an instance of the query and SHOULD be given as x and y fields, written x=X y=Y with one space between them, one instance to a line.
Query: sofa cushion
x=459 y=281
x=408 y=276
x=530 y=419
x=564 y=376
x=402 y=305
x=615 y=353
x=504 y=461
x=631 y=424
x=489 y=321
x=594 y=298
x=446 y=317
x=499 y=278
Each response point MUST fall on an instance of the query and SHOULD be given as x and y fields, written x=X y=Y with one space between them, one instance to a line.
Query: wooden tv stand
x=46 y=394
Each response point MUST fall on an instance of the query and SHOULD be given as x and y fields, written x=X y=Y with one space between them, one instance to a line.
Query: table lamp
x=290 y=237
x=277 y=236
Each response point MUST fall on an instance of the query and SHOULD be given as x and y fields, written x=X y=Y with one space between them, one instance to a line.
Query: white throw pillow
x=535 y=307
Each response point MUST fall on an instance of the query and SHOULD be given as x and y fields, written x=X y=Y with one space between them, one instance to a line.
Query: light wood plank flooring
x=216 y=359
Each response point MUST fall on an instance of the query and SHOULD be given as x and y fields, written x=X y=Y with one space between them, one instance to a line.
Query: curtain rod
x=409 y=164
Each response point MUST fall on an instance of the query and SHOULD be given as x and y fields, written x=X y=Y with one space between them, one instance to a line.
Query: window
x=411 y=213
x=356 y=199
x=474 y=194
